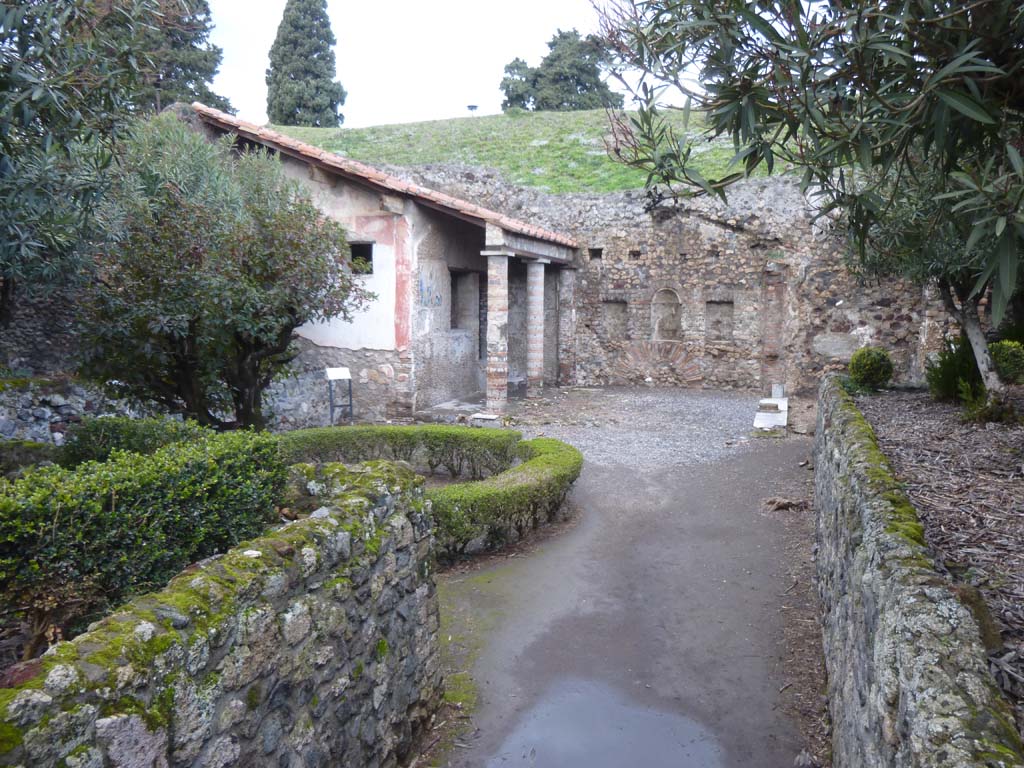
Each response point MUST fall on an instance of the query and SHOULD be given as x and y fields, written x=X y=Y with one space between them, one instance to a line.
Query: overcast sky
x=403 y=60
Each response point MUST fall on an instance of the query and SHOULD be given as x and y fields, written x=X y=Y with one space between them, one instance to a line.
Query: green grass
x=561 y=152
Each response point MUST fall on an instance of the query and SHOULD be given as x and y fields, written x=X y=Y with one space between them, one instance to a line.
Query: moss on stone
x=253 y=697
x=208 y=595
x=338 y=582
x=11 y=737
x=912 y=532
x=24 y=382
x=154 y=717
x=972 y=598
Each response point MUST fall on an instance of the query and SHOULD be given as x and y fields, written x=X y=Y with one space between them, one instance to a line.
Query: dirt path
x=649 y=633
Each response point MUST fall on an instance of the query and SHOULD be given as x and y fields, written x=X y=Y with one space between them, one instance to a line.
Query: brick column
x=566 y=327
x=534 y=327
x=497 y=332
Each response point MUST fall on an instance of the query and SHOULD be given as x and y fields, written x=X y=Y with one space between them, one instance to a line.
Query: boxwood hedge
x=509 y=500
x=508 y=503
x=94 y=439
x=460 y=450
x=74 y=542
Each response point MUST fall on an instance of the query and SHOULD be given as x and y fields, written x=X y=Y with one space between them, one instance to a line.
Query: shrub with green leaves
x=511 y=502
x=871 y=367
x=1008 y=358
x=954 y=372
x=459 y=450
x=511 y=499
x=94 y=439
x=73 y=543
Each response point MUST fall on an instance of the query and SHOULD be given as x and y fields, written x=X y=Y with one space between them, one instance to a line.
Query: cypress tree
x=301 y=89
x=176 y=60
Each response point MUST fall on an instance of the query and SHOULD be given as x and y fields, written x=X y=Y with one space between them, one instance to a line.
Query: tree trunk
x=967 y=315
x=6 y=301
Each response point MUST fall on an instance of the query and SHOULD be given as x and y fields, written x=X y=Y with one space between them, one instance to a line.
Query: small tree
x=214 y=262
x=568 y=78
x=67 y=75
x=517 y=85
x=905 y=119
x=301 y=89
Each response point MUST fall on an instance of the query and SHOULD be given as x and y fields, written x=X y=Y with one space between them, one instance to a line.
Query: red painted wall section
x=393 y=230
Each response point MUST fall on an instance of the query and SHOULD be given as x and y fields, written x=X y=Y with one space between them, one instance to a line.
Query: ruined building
x=518 y=290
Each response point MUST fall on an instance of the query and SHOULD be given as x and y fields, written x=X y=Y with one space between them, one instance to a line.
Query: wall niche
x=718 y=320
x=665 y=316
x=615 y=319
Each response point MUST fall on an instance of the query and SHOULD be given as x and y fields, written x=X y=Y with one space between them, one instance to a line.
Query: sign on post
x=339 y=374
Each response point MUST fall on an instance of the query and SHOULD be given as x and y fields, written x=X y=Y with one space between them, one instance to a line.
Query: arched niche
x=665 y=316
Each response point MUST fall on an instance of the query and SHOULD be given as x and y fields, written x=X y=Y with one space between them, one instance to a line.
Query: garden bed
x=514 y=485
x=967 y=482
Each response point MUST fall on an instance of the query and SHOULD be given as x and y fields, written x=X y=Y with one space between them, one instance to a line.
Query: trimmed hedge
x=95 y=438
x=513 y=501
x=75 y=542
x=460 y=450
x=871 y=367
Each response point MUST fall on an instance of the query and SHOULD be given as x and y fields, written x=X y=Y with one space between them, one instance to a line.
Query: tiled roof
x=367 y=173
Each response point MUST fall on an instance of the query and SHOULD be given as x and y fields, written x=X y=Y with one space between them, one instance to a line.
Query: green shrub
x=75 y=542
x=94 y=439
x=513 y=501
x=15 y=454
x=870 y=367
x=460 y=450
x=1008 y=359
x=954 y=364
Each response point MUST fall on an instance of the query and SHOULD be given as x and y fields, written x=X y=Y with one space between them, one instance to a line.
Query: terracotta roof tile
x=354 y=168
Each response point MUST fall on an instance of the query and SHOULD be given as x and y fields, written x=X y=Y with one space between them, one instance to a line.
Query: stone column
x=566 y=327
x=534 y=327
x=497 y=331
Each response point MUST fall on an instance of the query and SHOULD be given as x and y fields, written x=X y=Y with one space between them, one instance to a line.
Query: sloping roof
x=367 y=174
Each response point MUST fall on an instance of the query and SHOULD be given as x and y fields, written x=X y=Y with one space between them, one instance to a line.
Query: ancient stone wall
x=739 y=295
x=40 y=338
x=316 y=645
x=42 y=410
x=908 y=679
x=704 y=294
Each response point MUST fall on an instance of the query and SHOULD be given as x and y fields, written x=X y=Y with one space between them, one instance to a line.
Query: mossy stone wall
x=314 y=645
x=908 y=677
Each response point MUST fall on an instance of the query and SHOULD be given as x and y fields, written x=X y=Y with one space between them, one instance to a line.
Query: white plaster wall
x=373 y=327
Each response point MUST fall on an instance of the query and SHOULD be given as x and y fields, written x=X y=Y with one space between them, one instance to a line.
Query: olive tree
x=67 y=76
x=904 y=119
x=214 y=260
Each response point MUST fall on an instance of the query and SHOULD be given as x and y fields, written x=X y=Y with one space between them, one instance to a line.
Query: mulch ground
x=967 y=482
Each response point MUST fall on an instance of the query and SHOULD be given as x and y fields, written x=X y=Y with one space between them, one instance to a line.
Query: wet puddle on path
x=585 y=724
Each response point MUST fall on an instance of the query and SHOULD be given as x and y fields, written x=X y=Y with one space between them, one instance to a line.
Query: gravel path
x=649 y=430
